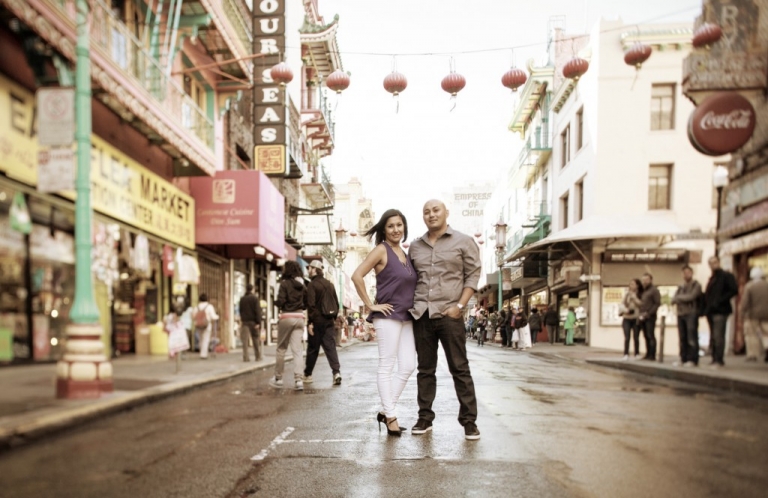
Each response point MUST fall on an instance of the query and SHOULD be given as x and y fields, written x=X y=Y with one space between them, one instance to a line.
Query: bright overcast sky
x=424 y=150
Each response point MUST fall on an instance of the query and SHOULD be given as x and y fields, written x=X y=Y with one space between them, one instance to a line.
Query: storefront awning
x=239 y=210
x=611 y=227
x=750 y=219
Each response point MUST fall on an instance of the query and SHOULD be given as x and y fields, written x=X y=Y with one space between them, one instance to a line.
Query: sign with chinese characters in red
x=270 y=159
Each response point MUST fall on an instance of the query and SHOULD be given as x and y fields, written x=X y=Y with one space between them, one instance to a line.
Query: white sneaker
x=307 y=379
x=276 y=383
x=689 y=364
x=625 y=357
x=299 y=385
x=337 y=379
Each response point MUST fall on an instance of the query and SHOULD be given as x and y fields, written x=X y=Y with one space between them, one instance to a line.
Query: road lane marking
x=322 y=441
x=274 y=444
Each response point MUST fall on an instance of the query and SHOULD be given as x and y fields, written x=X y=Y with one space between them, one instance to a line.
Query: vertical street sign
x=56 y=116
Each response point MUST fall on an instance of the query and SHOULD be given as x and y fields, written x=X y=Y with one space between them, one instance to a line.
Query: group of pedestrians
x=640 y=306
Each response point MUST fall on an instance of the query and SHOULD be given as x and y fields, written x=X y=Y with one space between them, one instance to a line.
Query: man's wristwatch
x=460 y=306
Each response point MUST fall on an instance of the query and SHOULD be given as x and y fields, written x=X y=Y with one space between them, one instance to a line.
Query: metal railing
x=112 y=37
x=325 y=109
x=236 y=12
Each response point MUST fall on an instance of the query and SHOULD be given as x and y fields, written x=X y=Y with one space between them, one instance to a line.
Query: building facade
x=612 y=189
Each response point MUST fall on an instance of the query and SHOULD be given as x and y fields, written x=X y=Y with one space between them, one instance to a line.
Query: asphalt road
x=549 y=428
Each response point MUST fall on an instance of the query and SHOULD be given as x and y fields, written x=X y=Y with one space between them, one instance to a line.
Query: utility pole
x=84 y=371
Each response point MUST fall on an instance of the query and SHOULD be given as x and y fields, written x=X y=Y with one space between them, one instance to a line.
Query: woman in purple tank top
x=395 y=287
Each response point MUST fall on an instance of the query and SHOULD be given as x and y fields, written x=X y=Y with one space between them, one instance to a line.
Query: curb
x=723 y=383
x=58 y=422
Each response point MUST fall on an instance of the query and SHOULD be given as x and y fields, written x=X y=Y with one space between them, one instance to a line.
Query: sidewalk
x=737 y=375
x=29 y=408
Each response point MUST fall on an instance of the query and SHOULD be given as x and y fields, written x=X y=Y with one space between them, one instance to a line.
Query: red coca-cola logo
x=721 y=124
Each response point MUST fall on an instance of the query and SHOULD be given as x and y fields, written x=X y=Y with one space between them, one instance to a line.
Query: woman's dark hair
x=639 y=285
x=379 y=229
x=291 y=270
x=203 y=297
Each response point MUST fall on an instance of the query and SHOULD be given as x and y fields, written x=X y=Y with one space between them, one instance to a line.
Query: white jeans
x=395 y=339
x=205 y=340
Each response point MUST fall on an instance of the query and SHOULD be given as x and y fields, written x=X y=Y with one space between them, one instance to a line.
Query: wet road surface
x=549 y=427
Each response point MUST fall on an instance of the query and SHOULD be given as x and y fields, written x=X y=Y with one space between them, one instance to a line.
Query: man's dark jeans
x=450 y=333
x=552 y=331
x=649 y=333
x=323 y=336
x=717 y=337
x=688 y=330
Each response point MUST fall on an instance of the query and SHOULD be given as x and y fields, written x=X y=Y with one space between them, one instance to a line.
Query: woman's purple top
x=395 y=285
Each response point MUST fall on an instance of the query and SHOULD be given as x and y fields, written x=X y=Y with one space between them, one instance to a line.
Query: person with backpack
x=292 y=301
x=688 y=300
x=203 y=318
x=323 y=306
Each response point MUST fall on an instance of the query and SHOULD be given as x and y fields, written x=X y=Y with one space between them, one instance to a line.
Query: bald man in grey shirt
x=448 y=266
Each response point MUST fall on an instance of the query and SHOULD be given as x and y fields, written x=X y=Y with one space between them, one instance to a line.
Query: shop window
x=663 y=107
x=659 y=186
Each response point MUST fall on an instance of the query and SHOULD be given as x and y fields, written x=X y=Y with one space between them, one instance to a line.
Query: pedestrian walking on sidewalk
x=503 y=326
x=493 y=323
x=630 y=312
x=291 y=301
x=569 y=326
x=754 y=311
x=721 y=288
x=203 y=318
x=482 y=323
x=514 y=337
x=552 y=321
x=688 y=300
x=523 y=330
x=447 y=263
x=250 y=323
x=534 y=323
x=650 y=300
x=393 y=323
x=323 y=307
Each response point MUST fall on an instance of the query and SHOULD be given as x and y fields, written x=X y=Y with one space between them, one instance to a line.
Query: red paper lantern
x=453 y=83
x=706 y=34
x=395 y=83
x=478 y=235
x=281 y=73
x=353 y=234
x=338 y=81
x=575 y=68
x=406 y=245
x=514 y=78
x=637 y=54
x=481 y=242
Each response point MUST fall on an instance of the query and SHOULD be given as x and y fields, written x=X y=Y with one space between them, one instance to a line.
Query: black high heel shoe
x=392 y=422
x=380 y=417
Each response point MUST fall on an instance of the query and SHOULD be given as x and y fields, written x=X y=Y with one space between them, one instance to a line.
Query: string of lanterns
x=396 y=83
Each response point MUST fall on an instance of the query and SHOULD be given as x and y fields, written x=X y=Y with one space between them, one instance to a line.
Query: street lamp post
x=720 y=181
x=84 y=371
x=501 y=245
x=341 y=253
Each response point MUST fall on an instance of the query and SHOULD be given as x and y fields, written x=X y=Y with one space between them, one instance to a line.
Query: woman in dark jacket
x=292 y=301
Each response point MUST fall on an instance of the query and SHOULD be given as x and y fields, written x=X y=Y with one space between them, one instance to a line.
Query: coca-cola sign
x=721 y=124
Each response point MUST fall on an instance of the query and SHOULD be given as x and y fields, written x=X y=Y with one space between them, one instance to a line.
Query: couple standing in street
x=420 y=299
x=293 y=298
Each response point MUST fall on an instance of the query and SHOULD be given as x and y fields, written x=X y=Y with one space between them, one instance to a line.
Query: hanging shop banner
x=239 y=208
x=56 y=116
x=314 y=229
x=270 y=137
x=56 y=169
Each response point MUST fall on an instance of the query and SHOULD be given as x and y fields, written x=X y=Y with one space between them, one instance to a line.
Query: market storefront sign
x=120 y=187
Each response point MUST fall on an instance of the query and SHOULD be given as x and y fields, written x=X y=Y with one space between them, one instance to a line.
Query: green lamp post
x=341 y=253
x=84 y=371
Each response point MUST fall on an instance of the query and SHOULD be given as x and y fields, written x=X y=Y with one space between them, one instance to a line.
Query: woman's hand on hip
x=386 y=309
